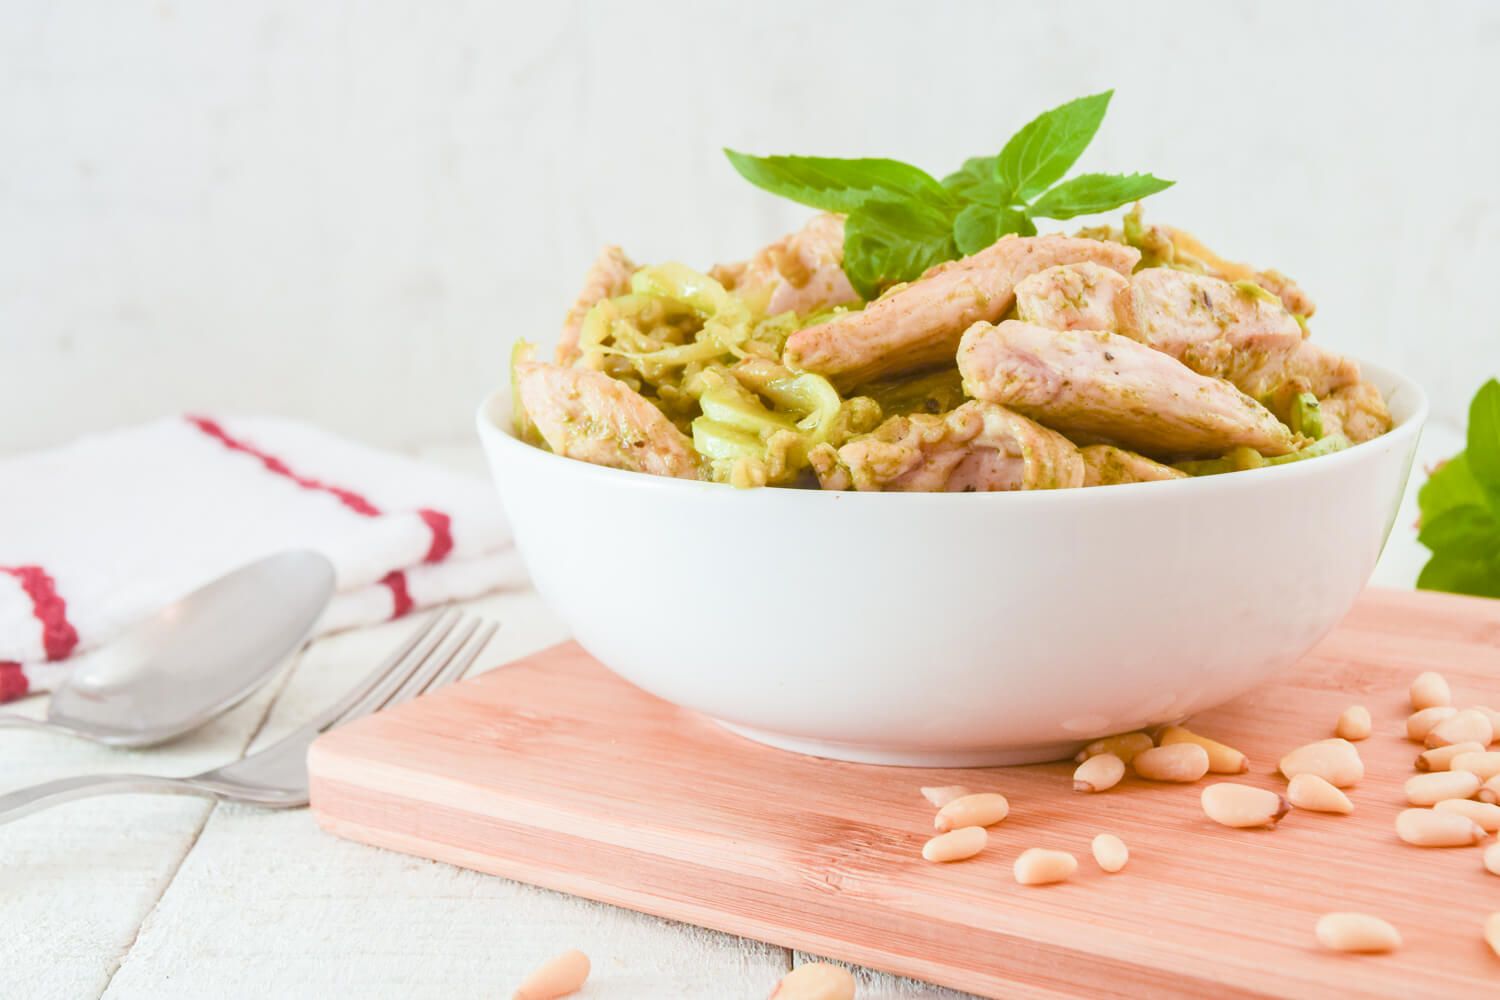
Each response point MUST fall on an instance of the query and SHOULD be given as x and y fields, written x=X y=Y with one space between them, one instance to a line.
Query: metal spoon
x=195 y=658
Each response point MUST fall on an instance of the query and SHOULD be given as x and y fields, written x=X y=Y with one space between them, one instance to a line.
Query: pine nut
x=1492 y=859
x=1419 y=724
x=1184 y=762
x=1492 y=932
x=1124 y=746
x=1486 y=814
x=1468 y=725
x=1335 y=761
x=1430 y=789
x=1110 y=851
x=1485 y=763
x=1354 y=723
x=815 y=981
x=1233 y=804
x=1492 y=715
x=978 y=809
x=1098 y=774
x=1430 y=828
x=1039 y=866
x=1315 y=794
x=1441 y=758
x=1489 y=791
x=556 y=977
x=1430 y=690
x=956 y=845
x=1221 y=759
x=1357 y=932
x=941 y=795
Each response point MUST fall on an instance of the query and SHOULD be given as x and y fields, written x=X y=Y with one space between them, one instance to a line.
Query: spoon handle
x=25 y=801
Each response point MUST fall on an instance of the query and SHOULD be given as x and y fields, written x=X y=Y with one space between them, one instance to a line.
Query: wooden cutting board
x=554 y=772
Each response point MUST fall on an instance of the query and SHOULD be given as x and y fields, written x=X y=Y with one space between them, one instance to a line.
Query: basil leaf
x=1044 y=149
x=975 y=171
x=1090 y=193
x=1471 y=528
x=889 y=239
x=1449 y=487
x=1483 y=447
x=835 y=185
x=1463 y=572
x=979 y=226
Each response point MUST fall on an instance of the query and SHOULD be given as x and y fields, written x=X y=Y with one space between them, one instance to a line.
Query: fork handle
x=25 y=801
x=11 y=720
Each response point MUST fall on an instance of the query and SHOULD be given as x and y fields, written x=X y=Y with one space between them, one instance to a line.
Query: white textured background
x=345 y=211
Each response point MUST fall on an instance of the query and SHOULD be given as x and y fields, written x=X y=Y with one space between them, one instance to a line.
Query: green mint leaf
x=889 y=239
x=1090 y=193
x=977 y=170
x=1462 y=572
x=1450 y=486
x=1467 y=528
x=835 y=185
x=978 y=226
x=1483 y=446
x=1037 y=156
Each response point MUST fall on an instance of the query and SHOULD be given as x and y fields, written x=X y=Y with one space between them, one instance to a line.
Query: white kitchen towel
x=98 y=534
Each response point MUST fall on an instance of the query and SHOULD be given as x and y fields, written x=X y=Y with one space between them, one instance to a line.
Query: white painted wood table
x=152 y=896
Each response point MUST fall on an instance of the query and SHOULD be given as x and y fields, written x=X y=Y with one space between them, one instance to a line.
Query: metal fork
x=276 y=777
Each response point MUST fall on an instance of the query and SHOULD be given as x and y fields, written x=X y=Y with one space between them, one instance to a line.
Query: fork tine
x=453 y=660
x=391 y=664
x=460 y=664
x=371 y=697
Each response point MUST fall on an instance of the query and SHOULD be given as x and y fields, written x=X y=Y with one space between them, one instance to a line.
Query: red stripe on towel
x=438 y=523
x=401 y=601
x=58 y=635
x=13 y=683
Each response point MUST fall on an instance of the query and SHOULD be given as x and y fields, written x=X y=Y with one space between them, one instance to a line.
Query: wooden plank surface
x=554 y=772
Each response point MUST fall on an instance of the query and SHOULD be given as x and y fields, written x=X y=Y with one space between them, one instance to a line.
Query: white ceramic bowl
x=953 y=629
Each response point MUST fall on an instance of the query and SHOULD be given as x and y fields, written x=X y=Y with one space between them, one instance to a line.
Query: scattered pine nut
x=1430 y=789
x=1183 y=762
x=1039 y=866
x=1221 y=759
x=1492 y=932
x=1485 y=763
x=956 y=845
x=1441 y=758
x=1237 y=805
x=1492 y=859
x=1420 y=723
x=1486 y=814
x=1490 y=791
x=977 y=809
x=941 y=795
x=1430 y=828
x=1315 y=794
x=1470 y=725
x=1357 y=932
x=1098 y=774
x=557 y=977
x=1335 y=761
x=815 y=981
x=1110 y=851
x=1492 y=715
x=1430 y=690
x=1124 y=746
x=1354 y=723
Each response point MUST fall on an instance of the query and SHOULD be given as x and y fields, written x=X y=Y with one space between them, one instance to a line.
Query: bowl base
x=864 y=753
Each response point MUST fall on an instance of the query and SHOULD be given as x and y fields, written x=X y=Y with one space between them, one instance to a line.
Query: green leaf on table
x=889 y=239
x=1483 y=446
x=1037 y=156
x=979 y=226
x=1467 y=527
x=1087 y=194
x=835 y=185
x=1450 y=486
x=1462 y=572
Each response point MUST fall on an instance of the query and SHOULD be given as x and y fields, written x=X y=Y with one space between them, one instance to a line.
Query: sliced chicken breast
x=1110 y=387
x=1356 y=411
x=978 y=447
x=1071 y=297
x=801 y=273
x=919 y=324
x=587 y=415
x=609 y=276
x=1106 y=465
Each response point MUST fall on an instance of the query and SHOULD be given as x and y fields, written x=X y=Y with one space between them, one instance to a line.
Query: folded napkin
x=97 y=535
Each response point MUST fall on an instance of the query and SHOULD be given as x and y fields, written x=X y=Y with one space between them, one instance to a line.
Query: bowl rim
x=493 y=422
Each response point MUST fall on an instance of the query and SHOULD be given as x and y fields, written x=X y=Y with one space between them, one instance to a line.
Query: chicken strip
x=919 y=324
x=979 y=447
x=1356 y=411
x=1104 y=385
x=800 y=273
x=608 y=277
x=585 y=414
x=1071 y=297
x=1106 y=465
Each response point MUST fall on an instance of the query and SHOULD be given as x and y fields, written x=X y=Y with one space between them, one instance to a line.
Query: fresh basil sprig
x=902 y=221
x=1460 y=505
